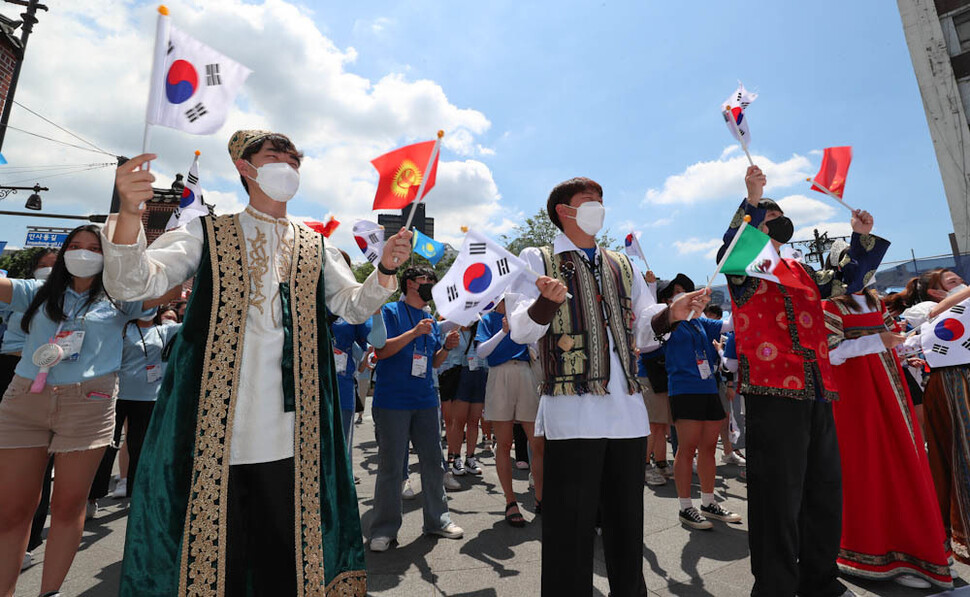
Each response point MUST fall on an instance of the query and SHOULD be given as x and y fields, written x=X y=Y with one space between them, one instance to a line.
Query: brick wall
x=8 y=60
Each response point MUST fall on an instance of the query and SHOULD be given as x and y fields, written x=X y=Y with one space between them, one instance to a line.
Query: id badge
x=472 y=363
x=703 y=368
x=70 y=343
x=340 y=361
x=419 y=365
x=154 y=373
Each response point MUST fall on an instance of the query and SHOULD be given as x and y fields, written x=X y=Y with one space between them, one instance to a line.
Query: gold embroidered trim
x=352 y=583
x=202 y=571
x=258 y=215
x=258 y=268
x=304 y=277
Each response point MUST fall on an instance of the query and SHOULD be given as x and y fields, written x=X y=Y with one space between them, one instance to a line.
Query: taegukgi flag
x=370 y=238
x=190 y=205
x=192 y=85
x=945 y=339
x=734 y=107
x=480 y=274
x=631 y=244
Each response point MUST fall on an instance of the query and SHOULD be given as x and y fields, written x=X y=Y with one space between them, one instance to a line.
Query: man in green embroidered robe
x=246 y=488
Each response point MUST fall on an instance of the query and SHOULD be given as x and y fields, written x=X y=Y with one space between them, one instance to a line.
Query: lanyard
x=413 y=323
x=144 y=346
x=77 y=309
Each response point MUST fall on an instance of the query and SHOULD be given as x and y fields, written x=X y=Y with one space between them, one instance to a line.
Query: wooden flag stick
x=727 y=253
x=424 y=179
x=737 y=132
x=830 y=194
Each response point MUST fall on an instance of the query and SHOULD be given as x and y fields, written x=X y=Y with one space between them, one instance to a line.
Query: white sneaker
x=471 y=465
x=449 y=531
x=954 y=573
x=451 y=483
x=380 y=543
x=733 y=458
x=28 y=561
x=912 y=581
x=406 y=492
x=92 y=510
x=121 y=489
x=653 y=478
x=667 y=471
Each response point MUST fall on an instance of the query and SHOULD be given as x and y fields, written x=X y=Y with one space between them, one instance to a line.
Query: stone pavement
x=493 y=559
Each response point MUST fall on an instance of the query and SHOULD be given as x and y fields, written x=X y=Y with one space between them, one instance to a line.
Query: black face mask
x=780 y=229
x=424 y=291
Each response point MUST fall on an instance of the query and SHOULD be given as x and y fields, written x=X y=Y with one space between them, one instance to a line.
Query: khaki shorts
x=658 y=405
x=66 y=418
x=511 y=393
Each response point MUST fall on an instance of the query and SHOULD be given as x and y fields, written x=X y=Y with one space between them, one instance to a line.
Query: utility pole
x=30 y=20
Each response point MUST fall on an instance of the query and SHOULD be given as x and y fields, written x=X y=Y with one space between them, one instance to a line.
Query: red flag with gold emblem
x=402 y=171
x=835 y=168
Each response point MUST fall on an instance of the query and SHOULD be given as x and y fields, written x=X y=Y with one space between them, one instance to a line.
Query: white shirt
x=617 y=415
x=857 y=347
x=919 y=313
x=261 y=430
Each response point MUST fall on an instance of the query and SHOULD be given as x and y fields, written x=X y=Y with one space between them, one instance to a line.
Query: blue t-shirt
x=139 y=352
x=690 y=342
x=730 y=348
x=647 y=356
x=507 y=350
x=395 y=387
x=345 y=336
x=102 y=323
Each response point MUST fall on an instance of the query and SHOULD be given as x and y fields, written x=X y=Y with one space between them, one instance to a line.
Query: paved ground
x=493 y=559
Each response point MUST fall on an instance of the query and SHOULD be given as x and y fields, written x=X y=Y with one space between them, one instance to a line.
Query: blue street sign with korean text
x=53 y=240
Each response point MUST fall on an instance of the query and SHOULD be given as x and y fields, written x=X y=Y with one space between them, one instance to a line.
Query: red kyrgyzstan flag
x=402 y=171
x=835 y=167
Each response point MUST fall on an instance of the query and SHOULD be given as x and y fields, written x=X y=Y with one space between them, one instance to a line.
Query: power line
x=49 y=121
x=61 y=174
x=12 y=128
x=4 y=169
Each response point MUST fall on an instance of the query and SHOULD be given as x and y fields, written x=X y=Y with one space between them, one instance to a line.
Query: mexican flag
x=752 y=254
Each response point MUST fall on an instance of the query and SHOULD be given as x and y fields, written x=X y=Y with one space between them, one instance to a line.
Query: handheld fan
x=45 y=357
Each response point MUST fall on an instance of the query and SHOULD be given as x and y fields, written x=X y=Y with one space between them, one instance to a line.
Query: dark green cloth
x=156 y=521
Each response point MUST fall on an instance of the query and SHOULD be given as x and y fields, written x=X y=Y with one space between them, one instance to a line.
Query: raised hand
x=396 y=249
x=862 y=221
x=552 y=289
x=134 y=184
x=755 y=180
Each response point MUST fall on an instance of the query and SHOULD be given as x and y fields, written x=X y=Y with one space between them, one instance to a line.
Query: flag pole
x=830 y=194
x=724 y=258
x=424 y=179
x=158 y=65
x=737 y=133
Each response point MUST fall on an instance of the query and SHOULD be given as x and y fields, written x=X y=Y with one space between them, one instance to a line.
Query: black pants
x=579 y=475
x=138 y=413
x=794 y=497
x=260 y=553
x=521 y=443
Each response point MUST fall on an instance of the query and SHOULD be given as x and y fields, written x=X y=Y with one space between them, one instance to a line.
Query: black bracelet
x=384 y=270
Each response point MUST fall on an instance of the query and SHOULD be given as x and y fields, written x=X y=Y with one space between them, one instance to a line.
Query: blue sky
x=626 y=93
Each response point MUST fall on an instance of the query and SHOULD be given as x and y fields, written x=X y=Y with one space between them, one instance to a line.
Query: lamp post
x=30 y=19
x=33 y=202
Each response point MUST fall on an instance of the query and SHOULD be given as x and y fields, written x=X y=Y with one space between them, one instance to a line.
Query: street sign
x=51 y=238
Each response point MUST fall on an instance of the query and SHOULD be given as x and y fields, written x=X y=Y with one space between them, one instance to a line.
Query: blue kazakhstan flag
x=427 y=247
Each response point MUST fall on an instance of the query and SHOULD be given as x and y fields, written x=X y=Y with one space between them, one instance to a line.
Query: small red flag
x=402 y=171
x=325 y=229
x=835 y=167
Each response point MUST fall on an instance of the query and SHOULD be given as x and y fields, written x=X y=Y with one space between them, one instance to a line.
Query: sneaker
x=954 y=573
x=692 y=518
x=449 y=531
x=457 y=468
x=356 y=480
x=406 y=492
x=53 y=594
x=653 y=478
x=665 y=469
x=451 y=483
x=522 y=465
x=716 y=512
x=380 y=543
x=913 y=582
x=733 y=458
x=121 y=489
x=360 y=419
x=471 y=465
x=743 y=473
x=28 y=561
x=92 y=510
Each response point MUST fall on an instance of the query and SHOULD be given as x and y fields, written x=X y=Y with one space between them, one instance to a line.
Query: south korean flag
x=480 y=274
x=370 y=238
x=192 y=85
x=945 y=339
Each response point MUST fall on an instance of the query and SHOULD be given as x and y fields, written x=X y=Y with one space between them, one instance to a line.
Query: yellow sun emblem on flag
x=408 y=175
x=428 y=248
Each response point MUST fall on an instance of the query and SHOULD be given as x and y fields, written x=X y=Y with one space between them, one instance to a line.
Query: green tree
x=539 y=231
x=17 y=263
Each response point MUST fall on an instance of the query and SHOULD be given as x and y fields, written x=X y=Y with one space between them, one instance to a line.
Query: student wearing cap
x=794 y=477
x=244 y=485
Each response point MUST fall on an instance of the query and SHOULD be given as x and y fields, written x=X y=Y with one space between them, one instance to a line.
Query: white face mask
x=42 y=273
x=168 y=322
x=83 y=263
x=589 y=217
x=956 y=289
x=278 y=180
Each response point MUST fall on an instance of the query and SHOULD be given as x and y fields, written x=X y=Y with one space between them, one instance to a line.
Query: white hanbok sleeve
x=139 y=272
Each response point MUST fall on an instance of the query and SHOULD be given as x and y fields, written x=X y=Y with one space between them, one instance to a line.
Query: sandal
x=538 y=507
x=515 y=519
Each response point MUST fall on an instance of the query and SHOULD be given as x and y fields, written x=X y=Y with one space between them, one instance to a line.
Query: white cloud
x=729 y=151
x=833 y=228
x=696 y=245
x=724 y=177
x=804 y=211
x=302 y=85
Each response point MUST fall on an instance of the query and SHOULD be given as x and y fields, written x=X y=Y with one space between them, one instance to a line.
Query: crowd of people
x=245 y=398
